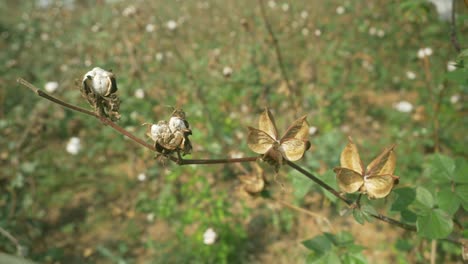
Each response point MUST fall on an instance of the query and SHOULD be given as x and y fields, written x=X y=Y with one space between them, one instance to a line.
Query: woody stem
x=318 y=181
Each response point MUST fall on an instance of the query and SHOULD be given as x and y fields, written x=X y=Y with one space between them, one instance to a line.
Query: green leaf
x=461 y=171
x=408 y=216
x=434 y=225
x=440 y=168
x=369 y=209
x=404 y=245
x=359 y=216
x=458 y=75
x=448 y=201
x=424 y=201
x=463 y=53
x=356 y=258
x=300 y=184
x=462 y=193
x=329 y=257
x=11 y=259
x=330 y=179
x=405 y=196
x=319 y=244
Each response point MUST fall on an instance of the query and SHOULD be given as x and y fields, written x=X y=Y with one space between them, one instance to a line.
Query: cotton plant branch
x=181 y=162
x=126 y=133
x=12 y=240
x=453 y=28
x=279 y=56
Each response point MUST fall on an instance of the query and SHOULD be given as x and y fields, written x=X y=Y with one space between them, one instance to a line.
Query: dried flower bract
x=377 y=180
x=291 y=146
x=99 y=88
x=254 y=182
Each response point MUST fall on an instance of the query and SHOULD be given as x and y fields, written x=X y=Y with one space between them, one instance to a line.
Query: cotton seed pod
x=254 y=182
x=100 y=81
x=376 y=180
x=177 y=124
x=157 y=131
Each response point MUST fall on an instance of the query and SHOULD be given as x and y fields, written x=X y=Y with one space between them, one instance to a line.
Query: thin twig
x=305 y=211
x=53 y=99
x=394 y=222
x=12 y=239
x=453 y=31
x=279 y=56
x=319 y=182
x=215 y=161
x=433 y=251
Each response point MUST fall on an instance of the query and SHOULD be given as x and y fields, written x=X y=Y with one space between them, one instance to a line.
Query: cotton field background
x=72 y=190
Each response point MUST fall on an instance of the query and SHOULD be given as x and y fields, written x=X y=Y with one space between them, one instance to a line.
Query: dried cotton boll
x=149 y=28
x=421 y=53
x=380 y=33
x=454 y=98
x=410 y=75
x=51 y=86
x=171 y=25
x=209 y=237
x=159 y=130
x=451 y=66
x=99 y=88
x=340 y=10
x=74 y=145
x=100 y=81
x=150 y=217
x=428 y=51
x=140 y=93
x=403 y=106
x=312 y=130
x=227 y=71
x=272 y=4
x=129 y=11
x=177 y=124
x=159 y=56
x=141 y=177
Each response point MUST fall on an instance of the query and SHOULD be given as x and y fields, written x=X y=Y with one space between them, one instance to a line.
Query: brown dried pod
x=177 y=122
x=291 y=146
x=172 y=136
x=99 y=88
x=376 y=180
x=254 y=182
